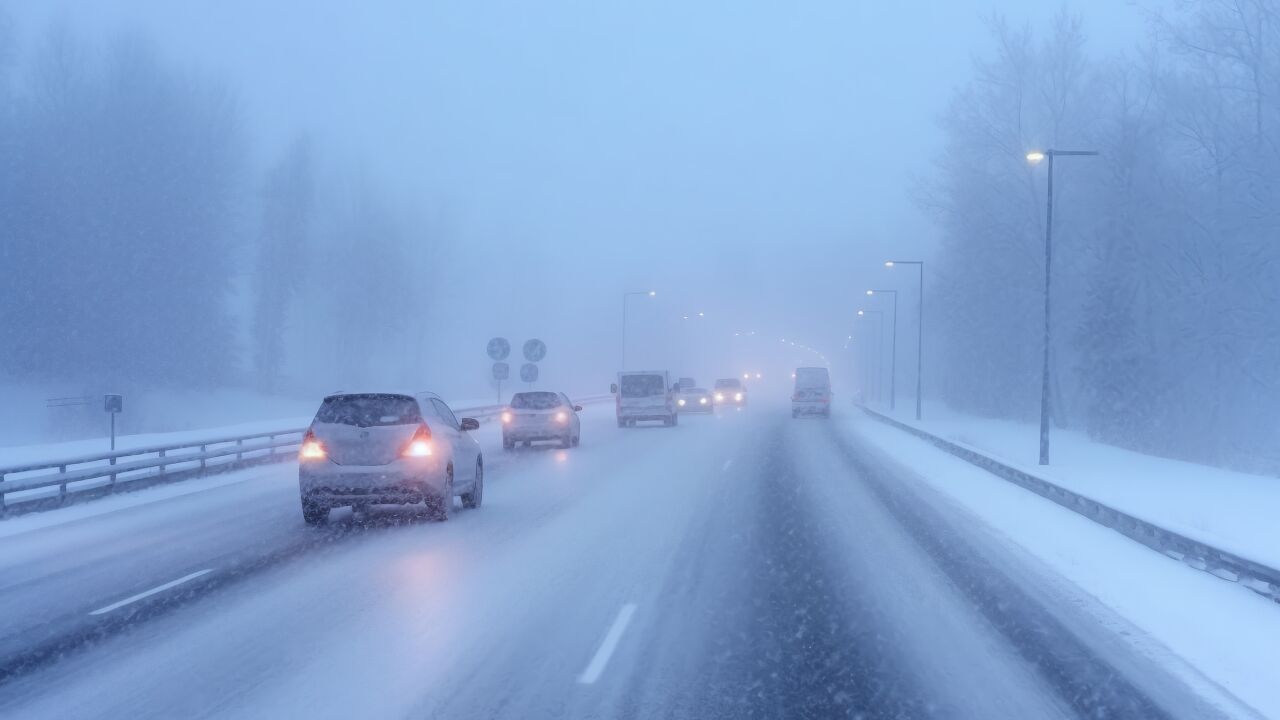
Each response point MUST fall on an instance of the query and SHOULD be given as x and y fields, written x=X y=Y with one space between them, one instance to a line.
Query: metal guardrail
x=1259 y=578
x=50 y=483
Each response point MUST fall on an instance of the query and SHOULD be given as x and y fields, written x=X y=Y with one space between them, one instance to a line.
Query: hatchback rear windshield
x=643 y=385
x=728 y=384
x=535 y=401
x=369 y=410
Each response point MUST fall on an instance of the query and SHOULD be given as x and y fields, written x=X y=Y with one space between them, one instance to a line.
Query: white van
x=644 y=395
x=812 y=394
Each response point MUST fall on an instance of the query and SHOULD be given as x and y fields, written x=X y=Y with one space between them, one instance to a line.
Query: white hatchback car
x=388 y=448
x=541 y=415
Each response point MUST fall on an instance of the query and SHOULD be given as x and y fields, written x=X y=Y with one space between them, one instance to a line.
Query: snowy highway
x=740 y=565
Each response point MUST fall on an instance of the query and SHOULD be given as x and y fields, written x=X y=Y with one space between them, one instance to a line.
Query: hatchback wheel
x=314 y=513
x=476 y=496
x=442 y=505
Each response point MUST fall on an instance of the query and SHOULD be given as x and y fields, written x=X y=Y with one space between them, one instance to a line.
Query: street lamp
x=919 y=328
x=625 y=296
x=1034 y=158
x=893 y=351
x=879 y=372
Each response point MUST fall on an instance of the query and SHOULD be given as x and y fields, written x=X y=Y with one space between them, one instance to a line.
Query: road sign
x=113 y=404
x=534 y=350
x=529 y=372
x=498 y=349
x=501 y=371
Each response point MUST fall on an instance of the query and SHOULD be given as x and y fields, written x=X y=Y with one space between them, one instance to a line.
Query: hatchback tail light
x=420 y=444
x=312 y=449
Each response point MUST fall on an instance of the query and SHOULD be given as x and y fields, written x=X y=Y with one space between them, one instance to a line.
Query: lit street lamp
x=919 y=328
x=893 y=349
x=1034 y=158
x=625 y=296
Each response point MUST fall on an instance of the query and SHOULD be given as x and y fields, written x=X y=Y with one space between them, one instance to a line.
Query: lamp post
x=625 y=297
x=1034 y=158
x=919 y=328
x=879 y=348
x=893 y=348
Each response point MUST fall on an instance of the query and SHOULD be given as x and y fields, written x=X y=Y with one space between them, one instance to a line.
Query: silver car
x=541 y=416
x=388 y=448
x=695 y=399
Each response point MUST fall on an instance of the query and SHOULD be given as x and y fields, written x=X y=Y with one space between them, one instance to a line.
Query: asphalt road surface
x=744 y=565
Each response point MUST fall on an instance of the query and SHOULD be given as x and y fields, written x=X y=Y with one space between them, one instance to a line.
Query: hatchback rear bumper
x=332 y=484
x=541 y=433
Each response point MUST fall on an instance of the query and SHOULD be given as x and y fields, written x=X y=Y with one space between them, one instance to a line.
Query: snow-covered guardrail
x=1260 y=578
x=41 y=485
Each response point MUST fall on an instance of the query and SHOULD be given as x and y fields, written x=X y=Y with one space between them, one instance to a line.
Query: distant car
x=729 y=391
x=695 y=399
x=541 y=415
x=812 y=394
x=685 y=382
x=383 y=448
x=642 y=395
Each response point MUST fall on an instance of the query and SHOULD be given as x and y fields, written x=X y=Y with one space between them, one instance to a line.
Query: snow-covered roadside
x=1232 y=511
x=1225 y=632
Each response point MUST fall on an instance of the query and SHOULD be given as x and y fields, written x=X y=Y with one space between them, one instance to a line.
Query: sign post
x=501 y=371
x=498 y=350
x=113 y=404
x=534 y=350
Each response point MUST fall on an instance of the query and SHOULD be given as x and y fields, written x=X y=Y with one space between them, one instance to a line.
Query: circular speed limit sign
x=534 y=350
x=498 y=349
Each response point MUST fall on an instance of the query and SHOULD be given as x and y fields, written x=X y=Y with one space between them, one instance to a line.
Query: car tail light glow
x=420 y=444
x=312 y=449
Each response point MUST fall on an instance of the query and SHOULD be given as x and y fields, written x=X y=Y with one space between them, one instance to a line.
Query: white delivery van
x=641 y=395
x=812 y=393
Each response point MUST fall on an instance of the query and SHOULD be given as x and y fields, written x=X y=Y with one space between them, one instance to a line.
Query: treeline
x=1166 y=259
x=143 y=242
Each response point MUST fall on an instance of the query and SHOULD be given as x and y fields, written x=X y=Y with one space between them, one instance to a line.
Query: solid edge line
x=152 y=591
x=608 y=645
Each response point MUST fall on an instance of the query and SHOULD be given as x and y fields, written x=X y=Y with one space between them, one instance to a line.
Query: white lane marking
x=601 y=659
x=727 y=463
x=152 y=591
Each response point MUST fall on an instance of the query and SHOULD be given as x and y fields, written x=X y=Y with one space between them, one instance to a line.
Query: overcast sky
x=750 y=159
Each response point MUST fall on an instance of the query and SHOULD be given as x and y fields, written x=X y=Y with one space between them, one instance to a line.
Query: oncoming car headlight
x=680 y=402
x=738 y=397
x=506 y=417
x=719 y=396
x=702 y=400
x=561 y=416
